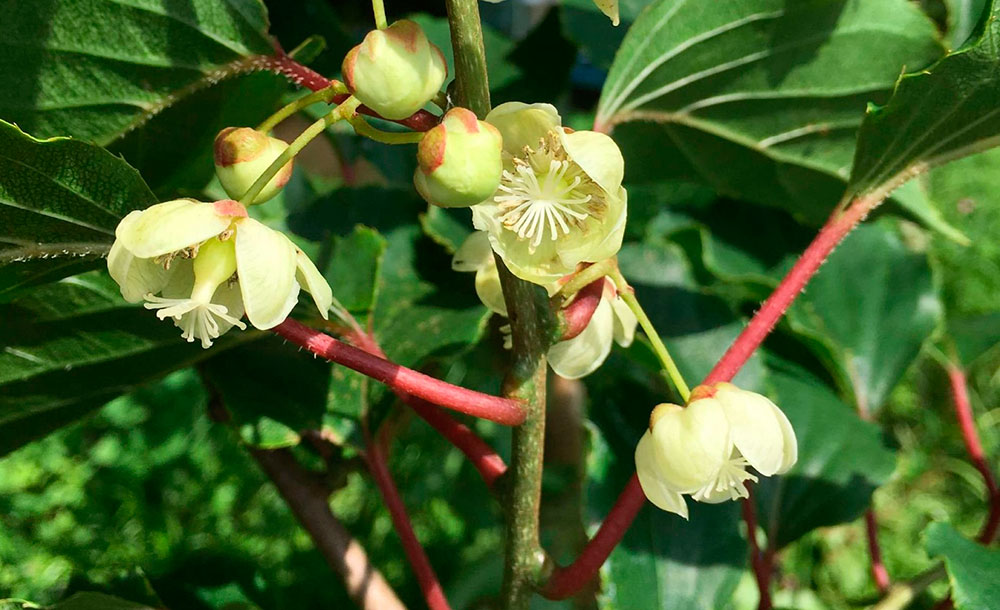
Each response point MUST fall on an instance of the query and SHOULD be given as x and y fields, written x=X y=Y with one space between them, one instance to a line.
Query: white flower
x=210 y=263
x=560 y=201
x=574 y=358
x=704 y=449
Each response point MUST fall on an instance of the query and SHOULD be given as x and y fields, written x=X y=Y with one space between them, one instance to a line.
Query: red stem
x=429 y=584
x=963 y=411
x=401 y=379
x=574 y=577
x=577 y=314
x=310 y=79
x=879 y=573
x=566 y=581
x=761 y=566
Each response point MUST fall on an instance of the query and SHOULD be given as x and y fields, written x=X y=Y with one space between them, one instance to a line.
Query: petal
x=584 y=353
x=603 y=238
x=474 y=253
x=523 y=124
x=228 y=294
x=169 y=227
x=598 y=155
x=759 y=429
x=265 y=265
x=137 y=277
x=489 y=290
x=692 y=444
x=656 y=491
x=309 y=277
x=625 y=322
x=609 y=8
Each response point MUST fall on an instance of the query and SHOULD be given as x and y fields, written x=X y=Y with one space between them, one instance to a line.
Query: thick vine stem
x=501 y=410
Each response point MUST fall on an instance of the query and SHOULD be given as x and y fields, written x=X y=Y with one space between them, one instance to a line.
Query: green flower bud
x=242 y=154
x=459 y=161
x=395 y=71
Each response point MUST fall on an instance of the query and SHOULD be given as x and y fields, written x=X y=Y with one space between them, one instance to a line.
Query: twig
x=501 y=410
x=879 y=572
x=761 y=566
x=308 y=501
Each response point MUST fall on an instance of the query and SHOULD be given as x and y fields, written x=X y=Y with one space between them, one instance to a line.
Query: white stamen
x=730 y=478
x=197 y=320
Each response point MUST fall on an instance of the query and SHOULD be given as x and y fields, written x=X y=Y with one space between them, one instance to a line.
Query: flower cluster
x=703 y=450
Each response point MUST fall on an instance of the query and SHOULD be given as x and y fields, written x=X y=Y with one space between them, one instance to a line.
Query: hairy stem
x=363 y=128
x=963 y=412
x=378 y=8
x=323 y=95
x=429 y=585
x=399 y=378
x=471 y=79
x=308 y=501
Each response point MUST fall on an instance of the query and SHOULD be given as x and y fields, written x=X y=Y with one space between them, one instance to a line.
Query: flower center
x=546 y=193
x=729 y=479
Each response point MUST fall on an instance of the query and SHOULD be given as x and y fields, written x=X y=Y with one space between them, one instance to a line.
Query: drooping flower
x=704 y=449
x=611 y=322
x=206 y=264
x=242 y=154
x=560 y=201
x=395 y=71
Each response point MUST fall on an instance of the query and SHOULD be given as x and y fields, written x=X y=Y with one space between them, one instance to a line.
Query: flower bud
x=459 y=161
x=242 y=154
x=395 y=71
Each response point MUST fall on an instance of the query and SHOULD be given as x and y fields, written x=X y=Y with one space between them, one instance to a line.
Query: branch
x=433 y=593
x=879 y=573
x=761 y=566
x=401 y=379
x=306 y=77
x=963 y=411
x=308 y=501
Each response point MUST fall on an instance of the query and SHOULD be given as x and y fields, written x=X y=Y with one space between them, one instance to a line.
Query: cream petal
x=625 y=322
x=609 y=8
x=228 y=294
x=309 y=277
x=266 y=265
x=137 y=277
x=646 y=467
x=759 y=429
x=523 y=124
x=474 y=253
x=169 y=227
x=489 y=291
x=584 y=353
x=598 y=155
x=604 y=238
x=692 y=444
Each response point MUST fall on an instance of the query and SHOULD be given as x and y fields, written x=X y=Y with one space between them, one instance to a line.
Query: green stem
x=471 y=79
x=531 y=320
x=346 y=109
x=323 y=95
x=582 y=279
x=379 y=9
x=364 y=128
x=670 y=369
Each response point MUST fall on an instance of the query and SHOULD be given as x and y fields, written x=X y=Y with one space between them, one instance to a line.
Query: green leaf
x=963 y=17
x=972 y=568
x=592 y=30
x=354 y=268
x=759 y=99
x=60 y=201
x=71 y=346
x=842 y=459
x=934 y=116
x=870 y=309
x=95 y=69
x=97 y=601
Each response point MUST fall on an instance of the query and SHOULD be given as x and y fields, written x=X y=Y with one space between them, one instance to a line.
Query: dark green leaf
x=842 y=459
x=97 y=601
x=963 y=17
x=759 y=99
x=934 y=116
x=71 y=346
x=354 y=268
x=870 y=309
x=592 y=30
x=95 y=69
x=972 y=568
x=60 y=201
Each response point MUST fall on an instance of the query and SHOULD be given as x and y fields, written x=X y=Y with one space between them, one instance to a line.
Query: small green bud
x=242 y=154
x=459 y=161
x=395 y=71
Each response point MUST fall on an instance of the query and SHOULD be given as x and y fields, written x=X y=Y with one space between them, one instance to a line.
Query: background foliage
x=739 y=122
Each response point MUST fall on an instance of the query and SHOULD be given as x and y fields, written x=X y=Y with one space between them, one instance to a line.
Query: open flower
x=209 y=263
x=704 y=449
x=574 y=358
x=560 y=201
